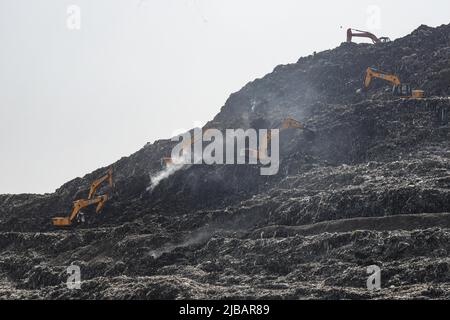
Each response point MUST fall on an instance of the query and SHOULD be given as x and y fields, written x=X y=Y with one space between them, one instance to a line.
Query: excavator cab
x=402 y=90
x=405 y=91
x=418 y=94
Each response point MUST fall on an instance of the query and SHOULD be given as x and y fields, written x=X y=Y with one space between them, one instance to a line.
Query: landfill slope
x=370 y=186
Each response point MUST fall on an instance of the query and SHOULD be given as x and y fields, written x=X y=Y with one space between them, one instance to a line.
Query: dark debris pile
x=370 y=187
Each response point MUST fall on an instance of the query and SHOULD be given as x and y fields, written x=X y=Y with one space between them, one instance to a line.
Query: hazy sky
x=137 y=70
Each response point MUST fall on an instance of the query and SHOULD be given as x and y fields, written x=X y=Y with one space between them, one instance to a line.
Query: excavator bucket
x=61 y=222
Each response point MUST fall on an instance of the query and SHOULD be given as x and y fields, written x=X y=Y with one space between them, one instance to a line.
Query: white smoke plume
x=156 y=179
x=196 y=238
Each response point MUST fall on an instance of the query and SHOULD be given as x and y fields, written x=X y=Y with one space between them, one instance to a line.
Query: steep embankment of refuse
x=375 y=163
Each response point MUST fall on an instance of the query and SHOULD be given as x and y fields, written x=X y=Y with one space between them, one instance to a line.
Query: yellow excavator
x=399 y=89
x=78 y=205
x=288 y=123
x=365 y=34
x=292 y=123
x=168 y=161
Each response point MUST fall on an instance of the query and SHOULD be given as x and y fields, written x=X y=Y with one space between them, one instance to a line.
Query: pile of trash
x=370 y=187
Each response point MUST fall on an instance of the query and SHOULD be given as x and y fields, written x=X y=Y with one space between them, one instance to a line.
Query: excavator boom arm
x=362 y=34
x=91 y=200
x=97 y=183
x=292 y=123
x=372 y=73
x=80 y=204
x=287 y=123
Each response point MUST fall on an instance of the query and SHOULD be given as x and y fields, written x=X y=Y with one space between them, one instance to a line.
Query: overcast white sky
x=75 y=100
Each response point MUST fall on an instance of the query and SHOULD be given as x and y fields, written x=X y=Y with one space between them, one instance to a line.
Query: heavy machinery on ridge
x=77 y=206
x=92 y=199
x=399 y=89
x=288 y=123
x=365 y=34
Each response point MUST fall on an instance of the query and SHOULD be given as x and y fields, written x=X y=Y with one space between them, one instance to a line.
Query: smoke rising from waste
x=156 y=179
